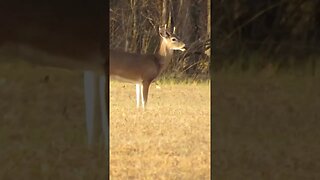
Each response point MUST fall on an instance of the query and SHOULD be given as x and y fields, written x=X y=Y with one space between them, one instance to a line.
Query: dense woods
x=276 y=34
x=134 y=28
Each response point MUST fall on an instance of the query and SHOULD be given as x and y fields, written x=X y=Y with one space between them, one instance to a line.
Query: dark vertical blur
x=42 y=115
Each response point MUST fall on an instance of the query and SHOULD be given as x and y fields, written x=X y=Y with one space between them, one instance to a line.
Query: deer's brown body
x=129 y=66
x=72 y=34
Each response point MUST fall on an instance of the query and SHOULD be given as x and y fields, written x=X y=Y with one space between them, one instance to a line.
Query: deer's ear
x=163 y=33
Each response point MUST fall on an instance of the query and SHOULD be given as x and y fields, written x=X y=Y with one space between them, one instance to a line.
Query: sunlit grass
x=169 y=140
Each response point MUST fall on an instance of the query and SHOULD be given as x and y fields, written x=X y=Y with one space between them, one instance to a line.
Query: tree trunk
x=137 y=34
x=209 y=19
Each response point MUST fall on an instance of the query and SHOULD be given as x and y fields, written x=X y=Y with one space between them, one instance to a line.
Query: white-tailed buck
x=142 y=69
x=63 y=34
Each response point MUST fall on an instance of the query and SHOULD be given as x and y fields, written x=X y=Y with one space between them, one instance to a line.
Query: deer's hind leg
x=146 y=85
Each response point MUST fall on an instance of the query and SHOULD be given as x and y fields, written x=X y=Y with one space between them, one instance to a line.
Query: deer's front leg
x=103 y=108
x=138 y=94
x=91 y=104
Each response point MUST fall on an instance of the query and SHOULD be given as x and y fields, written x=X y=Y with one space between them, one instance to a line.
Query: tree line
x=134 y=28
x=245 y=33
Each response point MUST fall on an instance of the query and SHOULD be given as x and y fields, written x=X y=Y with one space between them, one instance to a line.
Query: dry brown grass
x=43 y=136
x=170 y=140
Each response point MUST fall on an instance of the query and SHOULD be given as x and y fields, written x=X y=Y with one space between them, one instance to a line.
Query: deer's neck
x=165 y=55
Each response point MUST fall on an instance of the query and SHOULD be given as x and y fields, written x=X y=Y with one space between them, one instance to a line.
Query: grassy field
x=42 y=129
x=169 y=140
x=266 y=127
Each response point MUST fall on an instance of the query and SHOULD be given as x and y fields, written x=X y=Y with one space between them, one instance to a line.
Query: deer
x=64 y=35
x=143 y=69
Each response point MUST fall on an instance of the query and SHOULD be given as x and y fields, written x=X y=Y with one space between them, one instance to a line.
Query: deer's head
x=171 y=39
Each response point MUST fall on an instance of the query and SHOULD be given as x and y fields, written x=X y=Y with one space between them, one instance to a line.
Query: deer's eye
x=173 y=39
